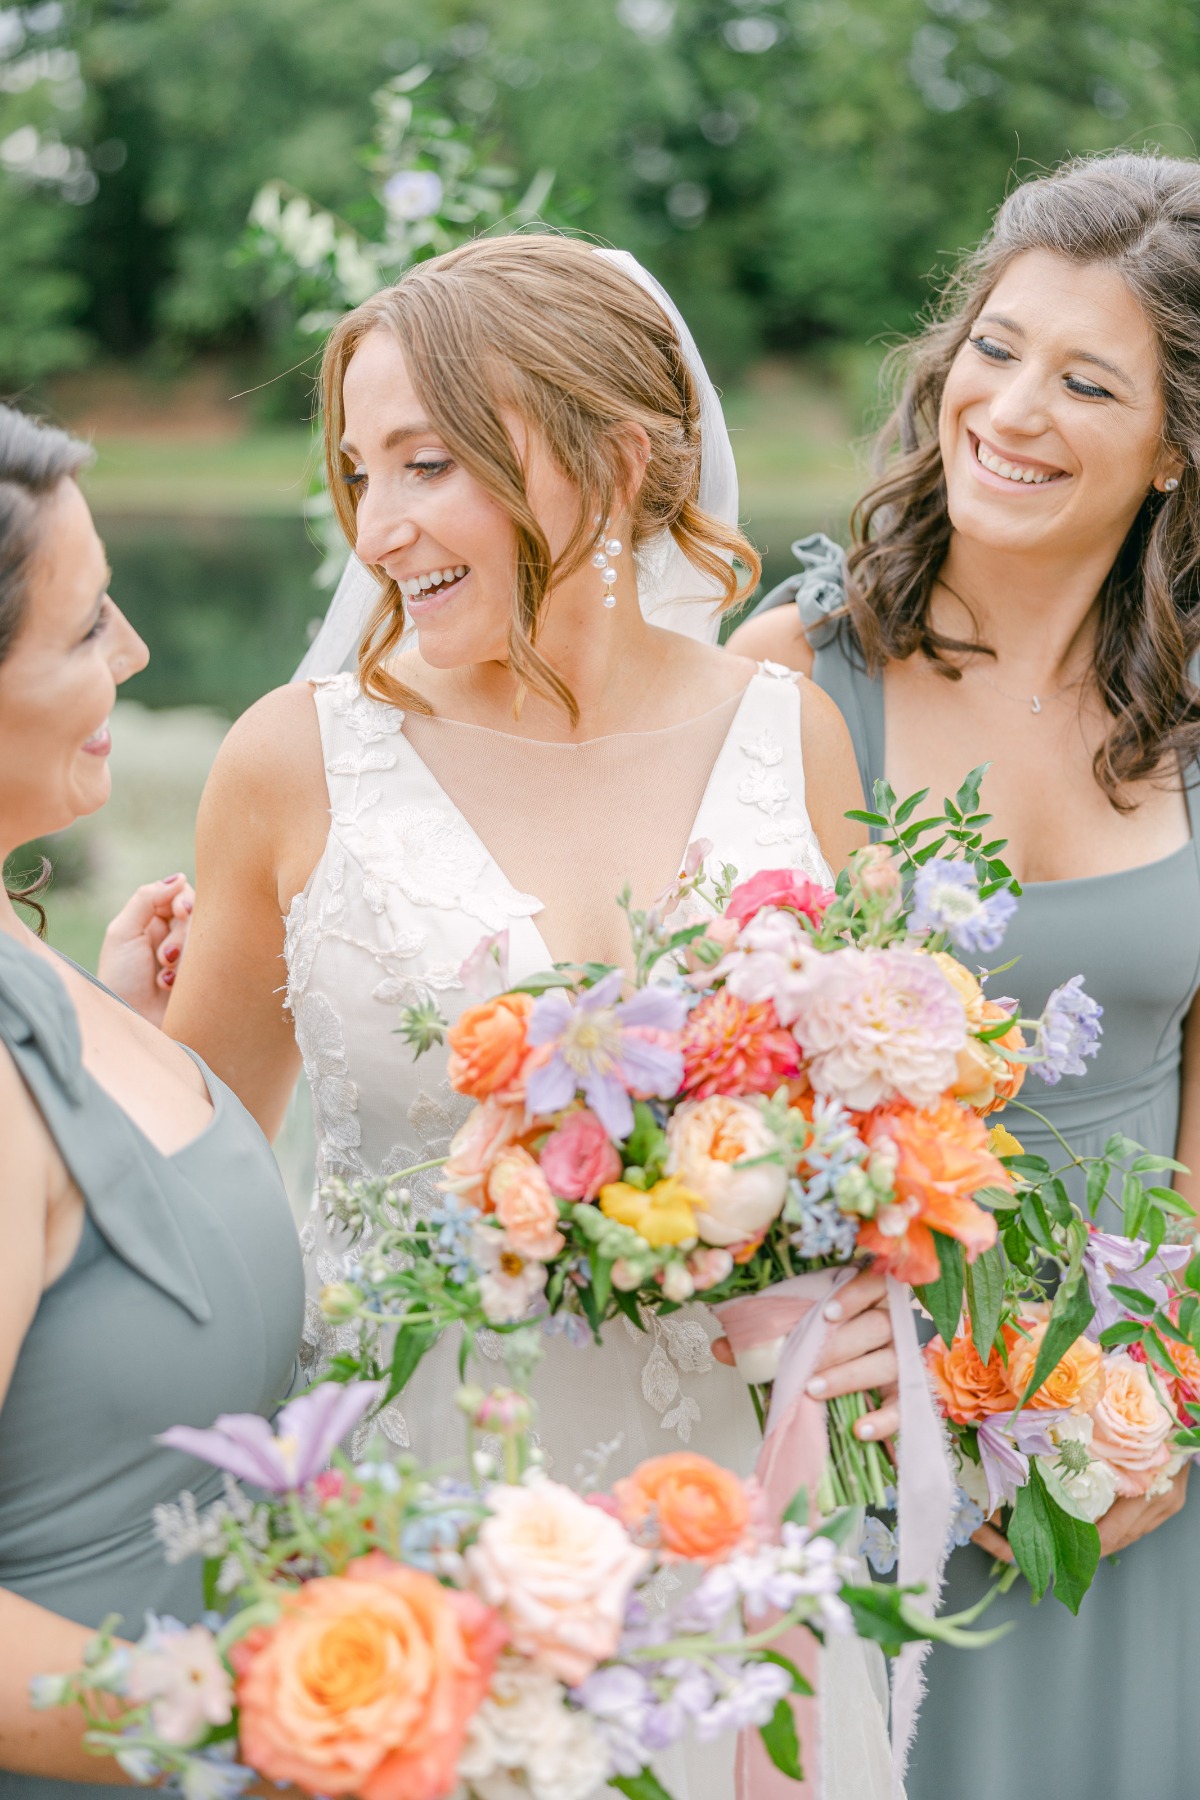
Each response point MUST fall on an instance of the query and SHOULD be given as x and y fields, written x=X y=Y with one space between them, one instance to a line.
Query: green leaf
x=943 y=1298
x=1031 y=1537
x=1191 y=1275
x=800 y=1683
x=645 y=1786
x=782 y=1742
x=1070 y=1315
x=841 y=1526
x=967 y=796
x=1028 y=1165
x=1134 y=1301
x=878 y=1614
x=1134 y=1201
x=1189 y=1307
x=798 y=1509
x=1076 y=1550
x=985 y=1298
x=1150 y=1165
x=540 y=983
x=908 y=807
x=627 y=1303
x=412 y=1341
x=867 y=818
x=1057 y=1200
x=1156 y=1229
x=213 y=1597
x=1119 y=1146
x=1097 y=1182
x=1033 y=1215
x=1172 y=1202
x=884 y=796
x=1125 y=1331
x=602 y=1268
x=643 y=1140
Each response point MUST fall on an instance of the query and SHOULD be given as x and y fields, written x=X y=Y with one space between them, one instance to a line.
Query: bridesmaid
x=1024 y=588
x=151 y=1274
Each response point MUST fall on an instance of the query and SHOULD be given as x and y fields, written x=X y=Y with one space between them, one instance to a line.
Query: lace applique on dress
x=765 y=787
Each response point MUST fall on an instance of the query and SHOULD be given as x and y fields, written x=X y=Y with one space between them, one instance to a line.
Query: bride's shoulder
x=273 y=751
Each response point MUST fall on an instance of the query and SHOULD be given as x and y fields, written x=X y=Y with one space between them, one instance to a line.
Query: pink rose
x=784 y=888
x=521 y=1199
x=1131 y=1426
x=580 y=1158
x=491 y=1128
x=559 y=1570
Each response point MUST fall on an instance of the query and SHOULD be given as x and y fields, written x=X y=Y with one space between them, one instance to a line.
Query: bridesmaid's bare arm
x=775 y=636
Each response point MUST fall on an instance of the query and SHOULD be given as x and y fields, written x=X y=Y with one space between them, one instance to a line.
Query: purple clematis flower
x=1110 y=1258
x=607 y=1046
x=280 y=1461
x=1005 y=1447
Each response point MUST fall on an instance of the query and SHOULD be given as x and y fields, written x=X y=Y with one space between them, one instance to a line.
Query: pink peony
x=771 y=961
x=733 y=1046
x=523 y=1204
x=1131 y=1426
x=580 y=1158
x=879 y=1025
x=783 y=888
x=491 y=1128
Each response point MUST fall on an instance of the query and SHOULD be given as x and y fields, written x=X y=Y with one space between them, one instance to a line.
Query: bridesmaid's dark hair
x=34 y=459
x=1140 y=215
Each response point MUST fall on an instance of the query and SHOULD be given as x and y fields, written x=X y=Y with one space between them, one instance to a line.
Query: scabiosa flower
x=734 y=1046
x=946 y=898
x=608 y=1047
x=1068 y=1030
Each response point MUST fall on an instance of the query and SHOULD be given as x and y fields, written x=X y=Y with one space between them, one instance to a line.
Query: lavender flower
x=946 y=898
x=1109 y=1257
x=607 y=1046
x=309 y=1430
x=1068 y=1030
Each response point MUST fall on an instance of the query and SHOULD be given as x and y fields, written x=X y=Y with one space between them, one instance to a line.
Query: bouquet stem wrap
x=793 y=1455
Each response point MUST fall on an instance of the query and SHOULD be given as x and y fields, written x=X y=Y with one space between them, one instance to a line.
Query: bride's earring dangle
x=605 y=559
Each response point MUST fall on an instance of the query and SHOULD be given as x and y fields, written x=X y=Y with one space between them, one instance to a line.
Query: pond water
x=225 y=604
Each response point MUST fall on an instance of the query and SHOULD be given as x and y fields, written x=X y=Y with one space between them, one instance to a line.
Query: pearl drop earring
x=604 y=559
x=1170 y=484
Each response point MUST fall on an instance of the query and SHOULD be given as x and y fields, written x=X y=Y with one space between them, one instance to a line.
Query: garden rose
x=702 y=1512
x=1131 y=1425
x=984 y=1078
x=967 y=1388
x=488 y=1048
x=521 y=1199
x=560 y=1573
x=707 y=1140
x=941 y=1157
x=580 y=1157
x=785 y=889
x=367 y=1683
x=1075 y=1383
x=491 y=1128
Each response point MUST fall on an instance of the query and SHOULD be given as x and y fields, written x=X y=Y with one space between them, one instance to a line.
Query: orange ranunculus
x=367 y=1683
x=985 y=1078
x=1078 y=1380
x=702 y=1510
x=941 y=1158
x=488 y=1048
x=967 y=1388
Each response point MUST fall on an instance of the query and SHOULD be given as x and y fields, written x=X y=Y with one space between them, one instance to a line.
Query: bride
x=525 y=451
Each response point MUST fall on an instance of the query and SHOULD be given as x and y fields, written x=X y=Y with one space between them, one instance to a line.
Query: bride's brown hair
x=1139 y=215
x=543 y=326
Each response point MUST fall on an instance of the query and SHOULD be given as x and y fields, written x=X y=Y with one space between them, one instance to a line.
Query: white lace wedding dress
x=404 y=891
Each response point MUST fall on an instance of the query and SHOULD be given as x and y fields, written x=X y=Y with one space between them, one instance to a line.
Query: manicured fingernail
x=171 y=953
x=864 y=1428
x=817 y=1386
x=834 y=1310
x=187 y=906
x=168 y=879
x=168 y=977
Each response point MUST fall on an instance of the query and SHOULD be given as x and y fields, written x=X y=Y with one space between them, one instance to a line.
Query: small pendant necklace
x=1032 y=701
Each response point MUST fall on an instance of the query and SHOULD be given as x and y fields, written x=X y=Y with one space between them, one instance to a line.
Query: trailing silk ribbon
x=794 y=1453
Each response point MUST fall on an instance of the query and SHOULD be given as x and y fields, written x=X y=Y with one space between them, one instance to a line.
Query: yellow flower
x=662 y=1216
x=1001 y=1142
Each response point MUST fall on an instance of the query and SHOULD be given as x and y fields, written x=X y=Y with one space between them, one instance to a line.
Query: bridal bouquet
x=380 y=1633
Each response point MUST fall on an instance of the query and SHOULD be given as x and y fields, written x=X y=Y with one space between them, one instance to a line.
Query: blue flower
x=1068 y=1030
x=878 y=1545
x=946 y=898
x=965 y=1520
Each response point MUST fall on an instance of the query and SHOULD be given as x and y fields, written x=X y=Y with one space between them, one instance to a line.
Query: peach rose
x=985 y=1079
x=707 y=1139
x=1075 y=1383
x=367 y=1683
x=521 y=1199
x=1131 y=1426
x=475 y=1146
x=559 y=1571
x=941 y=1159
x=488 y=1048
x=701 y=1510
x=968 y=1389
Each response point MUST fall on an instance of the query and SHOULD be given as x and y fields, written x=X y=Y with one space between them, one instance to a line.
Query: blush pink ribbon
x=794 y=1453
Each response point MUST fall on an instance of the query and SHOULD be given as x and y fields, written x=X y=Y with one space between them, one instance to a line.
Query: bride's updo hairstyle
x=1138 y=215
x=544 y=327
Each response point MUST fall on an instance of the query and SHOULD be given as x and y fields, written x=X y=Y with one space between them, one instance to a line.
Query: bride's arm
x=261 y=829
x=831 y=781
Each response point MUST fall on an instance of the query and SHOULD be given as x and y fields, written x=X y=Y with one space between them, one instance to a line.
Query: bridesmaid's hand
x=858 y=1354
x=1123 y=1524
x=144 y=944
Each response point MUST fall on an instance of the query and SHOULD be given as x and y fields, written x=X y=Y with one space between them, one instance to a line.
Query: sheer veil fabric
x=422 y=859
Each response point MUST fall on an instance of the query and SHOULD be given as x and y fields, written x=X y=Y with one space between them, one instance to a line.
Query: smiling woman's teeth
x=421 y=584
x=1012 y=471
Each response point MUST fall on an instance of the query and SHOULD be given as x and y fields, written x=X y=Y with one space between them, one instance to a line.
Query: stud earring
x=1170 y=484
x=603 y=561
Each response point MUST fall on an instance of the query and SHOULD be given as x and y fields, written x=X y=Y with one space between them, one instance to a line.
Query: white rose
x=708 y=1139
x=523 y=1741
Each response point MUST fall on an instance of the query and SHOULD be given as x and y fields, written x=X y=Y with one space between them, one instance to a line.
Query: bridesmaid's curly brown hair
x=1140 y=215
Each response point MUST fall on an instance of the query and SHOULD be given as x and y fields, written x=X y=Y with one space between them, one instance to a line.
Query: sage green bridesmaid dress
x=1106 y=1706
x=184 y=1299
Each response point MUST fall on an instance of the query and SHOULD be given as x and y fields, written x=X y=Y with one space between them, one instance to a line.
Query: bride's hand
x=144 y=944
x=858 y=1354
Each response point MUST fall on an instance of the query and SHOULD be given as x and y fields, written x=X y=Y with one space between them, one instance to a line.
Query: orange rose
x=488 y=1048
x=967 y=1388
x=702 y=1511
x=1078 y=1380
x=985 y=1079
x=521 y=1200
x=941 y=1158
x=367 y=1683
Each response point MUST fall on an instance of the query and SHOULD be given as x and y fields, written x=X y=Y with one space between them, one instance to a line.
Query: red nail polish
x=188 y=905
x=171 y=953
x=168 y=879
x=168 y=977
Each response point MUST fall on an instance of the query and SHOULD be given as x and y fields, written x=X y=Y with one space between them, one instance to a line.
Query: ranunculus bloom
x=521 y=1200
x=1075 y=1383
x=941 y=1159
x=580 y=1157
x=488 y=1047
x=967 y=1388
x=475 y=1146
x=703 y=1512
x=731 y=1046
x=708 y=1139
x=985 y=1079
x=783 y=888
x=1131 y=1425
x=367 y=1683
x=663 y=1214
x=560 y=1572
